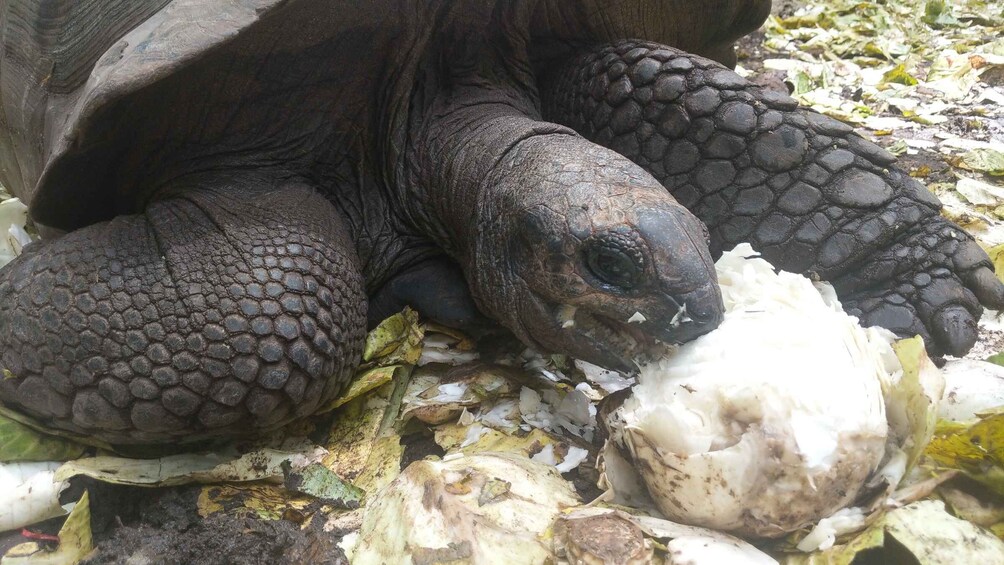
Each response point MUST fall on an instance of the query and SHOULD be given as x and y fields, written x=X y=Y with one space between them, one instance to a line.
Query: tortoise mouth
x=617 y=345
x=609 y=343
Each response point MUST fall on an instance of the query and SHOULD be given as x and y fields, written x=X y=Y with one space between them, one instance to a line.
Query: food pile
x=771 y=422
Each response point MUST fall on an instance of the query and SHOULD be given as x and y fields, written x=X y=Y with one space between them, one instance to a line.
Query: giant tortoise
x=230 y=189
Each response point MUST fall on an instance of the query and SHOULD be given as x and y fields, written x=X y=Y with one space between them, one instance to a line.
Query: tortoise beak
x=698 y=313
x=689 y=302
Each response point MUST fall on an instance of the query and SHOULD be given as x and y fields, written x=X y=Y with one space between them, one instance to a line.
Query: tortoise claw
x=955 y=330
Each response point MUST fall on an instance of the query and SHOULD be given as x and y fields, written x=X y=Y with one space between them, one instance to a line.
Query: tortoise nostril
x=707 y=317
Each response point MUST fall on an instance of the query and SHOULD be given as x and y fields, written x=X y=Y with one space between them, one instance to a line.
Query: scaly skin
x=231 y=307
x=527 y=204
x=804 y=189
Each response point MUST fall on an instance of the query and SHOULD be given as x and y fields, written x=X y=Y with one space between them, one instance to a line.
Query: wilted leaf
x=990 y=161
x=603 y=538
x=464 y=343
x=938 y=14
x=971 y=388
x=437 y=394
x=184 y=469
x=28 y=494
x=75 y=541
x=912 y=404
x=318 y=481
x=932 y=535
x=488 y=508
x=454 y=437
x=365 y=382
x=923 y=532
x=996 y=254
x=358 y=451
x=843 y=554
x=267 y=501
x=13 y=237
x=397 y=339
x=691 y=544
x=899 y=148
x=977 y=449
x=980 y=193
x=383 y=464
x=82 y=439
x=19 y=442
x=972 y=501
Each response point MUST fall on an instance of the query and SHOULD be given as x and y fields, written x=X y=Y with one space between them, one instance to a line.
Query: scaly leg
x=803 y=189
x=231 y=306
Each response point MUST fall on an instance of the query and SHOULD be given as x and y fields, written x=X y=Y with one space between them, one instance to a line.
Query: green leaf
x=19 y=442
x=997 y=359
x=985 y=160
x=938 y=14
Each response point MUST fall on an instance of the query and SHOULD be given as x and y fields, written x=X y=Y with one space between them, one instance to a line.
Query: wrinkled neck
x=461 y=170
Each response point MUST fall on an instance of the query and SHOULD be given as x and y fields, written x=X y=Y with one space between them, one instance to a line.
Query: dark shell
x=102 y=100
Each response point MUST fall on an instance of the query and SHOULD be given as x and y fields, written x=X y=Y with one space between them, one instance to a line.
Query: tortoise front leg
x=230 y=306
x=802 y=188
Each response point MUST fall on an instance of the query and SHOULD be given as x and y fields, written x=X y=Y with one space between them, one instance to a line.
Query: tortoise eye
x=613 y=265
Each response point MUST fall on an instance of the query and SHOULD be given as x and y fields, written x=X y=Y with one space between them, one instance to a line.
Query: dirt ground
x=161 y=525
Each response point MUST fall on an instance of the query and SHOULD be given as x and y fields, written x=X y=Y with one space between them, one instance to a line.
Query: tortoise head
x=602 y=260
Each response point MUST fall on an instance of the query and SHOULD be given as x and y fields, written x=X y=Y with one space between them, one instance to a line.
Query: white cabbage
x=13 y=216
x=769 y=423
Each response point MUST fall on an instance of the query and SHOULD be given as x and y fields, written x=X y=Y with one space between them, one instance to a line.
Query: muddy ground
x=162 y=525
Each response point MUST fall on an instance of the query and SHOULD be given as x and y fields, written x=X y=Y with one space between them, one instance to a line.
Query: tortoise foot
x=931 y=282
x=230 y=307
x=805 y=190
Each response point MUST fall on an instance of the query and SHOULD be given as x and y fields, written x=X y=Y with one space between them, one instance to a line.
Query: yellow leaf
x=75 y=541
x=451 y=436
x=996 y=254
x=365 y=382
x=397 y=339
x=899 y=75
x=267 y=501
x=358 y=451
x=976 y=449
